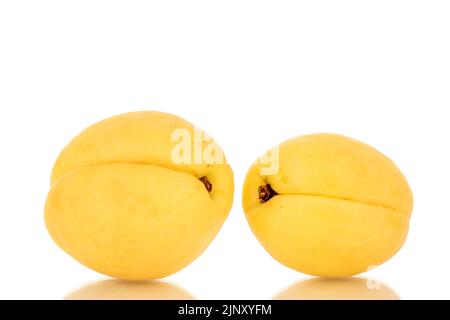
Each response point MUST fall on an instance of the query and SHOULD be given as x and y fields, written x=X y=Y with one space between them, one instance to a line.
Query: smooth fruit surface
x=335 y=206
x=120 y=205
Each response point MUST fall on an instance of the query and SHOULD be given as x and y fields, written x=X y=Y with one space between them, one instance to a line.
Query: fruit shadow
x=338 y=289
x=112 y=289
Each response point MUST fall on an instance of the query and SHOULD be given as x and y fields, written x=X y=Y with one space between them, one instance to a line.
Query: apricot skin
x=119 y=204
x=341 y=207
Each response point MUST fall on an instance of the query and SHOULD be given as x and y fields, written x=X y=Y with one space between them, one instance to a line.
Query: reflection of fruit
x=338 y=289
x=336 y=206
x=120 y=205
x=129 y=290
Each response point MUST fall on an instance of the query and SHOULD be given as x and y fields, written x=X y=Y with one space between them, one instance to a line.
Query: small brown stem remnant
x=266 y=193
x=207 y=184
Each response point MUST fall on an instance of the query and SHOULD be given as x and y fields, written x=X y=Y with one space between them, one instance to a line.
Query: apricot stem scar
x=266 y=193
x=207 y=184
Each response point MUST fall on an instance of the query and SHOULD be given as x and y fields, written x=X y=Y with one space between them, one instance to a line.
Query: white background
x=251 y=74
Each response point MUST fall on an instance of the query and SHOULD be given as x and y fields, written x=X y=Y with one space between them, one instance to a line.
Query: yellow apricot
x=335 y=207
x=123 y=204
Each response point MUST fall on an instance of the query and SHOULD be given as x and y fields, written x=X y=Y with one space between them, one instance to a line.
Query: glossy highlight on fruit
x=335 y=207
x=121 y=204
